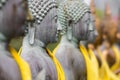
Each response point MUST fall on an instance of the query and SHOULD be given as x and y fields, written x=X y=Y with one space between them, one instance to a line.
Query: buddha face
x=92 y=31
x=84 y=29
x=47 y=30
x=14 y=16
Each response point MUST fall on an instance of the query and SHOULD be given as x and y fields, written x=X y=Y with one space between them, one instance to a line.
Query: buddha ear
x=69 y=30
x=31 y=33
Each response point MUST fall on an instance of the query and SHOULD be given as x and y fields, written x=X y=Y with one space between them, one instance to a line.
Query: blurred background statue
x=104 y=38
x=77 y=22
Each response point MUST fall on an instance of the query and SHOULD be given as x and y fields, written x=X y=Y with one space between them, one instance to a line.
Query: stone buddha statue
x=117 y=48
x=109 y=31
x=96 y=21
x=98 y=39
x=12 y=18
x=41 y=31
x=76 y=22
x=98 y=25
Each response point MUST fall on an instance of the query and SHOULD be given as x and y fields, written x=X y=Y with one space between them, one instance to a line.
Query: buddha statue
x=105 y=47
x=116 y=47
x=98 y=25
x=117 y=44
x=104 y=71
x=12 y=18
x=106 y=50
x=42 y=30
x=76 y=22
x=118 y=32
x=98 y=39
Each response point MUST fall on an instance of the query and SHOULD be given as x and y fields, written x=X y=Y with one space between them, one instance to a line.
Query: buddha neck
x=40 y=42
x=4 y=43
x=26 y=46
x=73 y=41
x=83 y=43
x=37 y=42
x=41 y=45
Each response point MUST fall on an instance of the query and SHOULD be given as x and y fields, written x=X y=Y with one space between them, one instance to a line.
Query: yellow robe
x=60 y=71
x=91 y=64
x=23 y=65
x=116 y=66
x=104 y=71
x=117 y=57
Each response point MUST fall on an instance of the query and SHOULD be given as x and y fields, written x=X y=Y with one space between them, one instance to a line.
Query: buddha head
x=76 y=20
x=44 y=26
x=12 y=17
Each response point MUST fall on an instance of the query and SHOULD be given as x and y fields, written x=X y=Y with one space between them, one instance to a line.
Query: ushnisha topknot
x=40 y=8
x=2 y=2
x=72 y=10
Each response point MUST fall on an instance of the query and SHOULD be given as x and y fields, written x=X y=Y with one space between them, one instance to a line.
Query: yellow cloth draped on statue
x=118 y=75
x=116 y=66
x=23 y=65
x=104 y=72
x=20 y=50
x=117 y=57
x=60 y=71
x=91 y=64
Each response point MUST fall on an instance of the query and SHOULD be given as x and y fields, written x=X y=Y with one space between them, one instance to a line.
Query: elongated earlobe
x=31 y=34
x=69 y=30
x=69 y=33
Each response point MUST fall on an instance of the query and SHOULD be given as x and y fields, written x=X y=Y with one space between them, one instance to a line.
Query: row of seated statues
x=88 y=48
x=108 y=40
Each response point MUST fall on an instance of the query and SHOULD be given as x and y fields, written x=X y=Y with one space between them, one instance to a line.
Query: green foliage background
x=17 y=43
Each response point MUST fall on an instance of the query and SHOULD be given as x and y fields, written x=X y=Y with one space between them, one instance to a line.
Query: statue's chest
x=39 y=61
x=9 y=68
